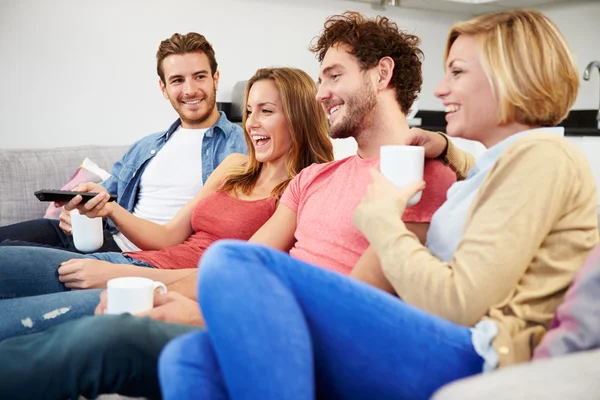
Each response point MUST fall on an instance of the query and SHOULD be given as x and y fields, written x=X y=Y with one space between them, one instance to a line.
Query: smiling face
x=190 y=88
x=345 y=92
x=266 y=123
x=471 y=107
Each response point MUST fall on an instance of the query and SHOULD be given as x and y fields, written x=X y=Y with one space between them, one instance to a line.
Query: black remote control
x=64 y=196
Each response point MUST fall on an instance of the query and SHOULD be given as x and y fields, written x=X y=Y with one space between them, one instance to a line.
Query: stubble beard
x=358 y=112
x=210 y=106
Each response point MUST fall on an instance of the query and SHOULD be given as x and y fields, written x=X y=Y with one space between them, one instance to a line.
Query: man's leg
x=28 y=315
x=88 y=357
x=45 y=232
x=41 y=231
x=282 y=329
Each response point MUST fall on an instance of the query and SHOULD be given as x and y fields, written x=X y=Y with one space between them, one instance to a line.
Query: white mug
x=88 y=235
x=132 y=295
x=403 y=165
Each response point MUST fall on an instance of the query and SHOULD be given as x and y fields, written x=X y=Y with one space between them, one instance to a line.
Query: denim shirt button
x=152 y=151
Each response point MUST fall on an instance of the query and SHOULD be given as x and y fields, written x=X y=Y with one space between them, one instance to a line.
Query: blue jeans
x=31 y=296
x=45 y=232
x=282 y=329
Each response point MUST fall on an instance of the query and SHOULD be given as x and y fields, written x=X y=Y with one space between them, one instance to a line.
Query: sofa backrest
x=22 y=172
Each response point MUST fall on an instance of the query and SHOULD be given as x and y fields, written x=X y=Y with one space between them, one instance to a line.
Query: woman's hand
x=381 y=188
x=87 y=273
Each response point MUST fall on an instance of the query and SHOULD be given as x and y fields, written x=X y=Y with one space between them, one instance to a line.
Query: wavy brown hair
x=372 y=39
x=306 y=122
x=182 y=44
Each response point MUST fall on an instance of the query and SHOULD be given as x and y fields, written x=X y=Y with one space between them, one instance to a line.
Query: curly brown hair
x=182 y=44
x=369 y=41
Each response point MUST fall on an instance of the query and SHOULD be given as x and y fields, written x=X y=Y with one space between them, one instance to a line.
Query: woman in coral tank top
x=239 y=196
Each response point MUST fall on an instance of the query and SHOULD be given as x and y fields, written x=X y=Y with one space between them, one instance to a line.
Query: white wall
x=580 y=23
x=83 y=72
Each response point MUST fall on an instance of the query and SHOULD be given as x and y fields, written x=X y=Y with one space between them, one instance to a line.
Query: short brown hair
x=369 y=41
x=527 y=62
x=182 y=44
x=306 y=122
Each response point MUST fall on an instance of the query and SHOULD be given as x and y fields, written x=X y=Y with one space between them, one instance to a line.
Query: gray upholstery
x=576 y=376
x=22 y=172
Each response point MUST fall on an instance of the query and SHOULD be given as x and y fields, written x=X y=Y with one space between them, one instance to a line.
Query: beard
x=211 y=101
x=358 y=109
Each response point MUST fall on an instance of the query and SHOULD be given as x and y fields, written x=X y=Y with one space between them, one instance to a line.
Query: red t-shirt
x=324 y=197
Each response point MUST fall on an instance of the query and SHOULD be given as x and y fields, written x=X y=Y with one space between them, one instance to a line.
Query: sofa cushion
x=22 y=172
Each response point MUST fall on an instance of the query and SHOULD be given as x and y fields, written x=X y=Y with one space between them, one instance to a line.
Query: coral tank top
x=217 y=216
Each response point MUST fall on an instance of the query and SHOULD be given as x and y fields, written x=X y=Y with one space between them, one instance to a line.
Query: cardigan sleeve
x=521 y=198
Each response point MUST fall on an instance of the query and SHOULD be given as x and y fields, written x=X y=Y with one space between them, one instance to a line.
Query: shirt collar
x=491 y=155
x=222 y=124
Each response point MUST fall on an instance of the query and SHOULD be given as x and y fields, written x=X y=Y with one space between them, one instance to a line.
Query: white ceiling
x=452 y=6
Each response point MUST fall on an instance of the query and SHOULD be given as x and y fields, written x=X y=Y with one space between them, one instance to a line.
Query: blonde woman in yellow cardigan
x=499 y=257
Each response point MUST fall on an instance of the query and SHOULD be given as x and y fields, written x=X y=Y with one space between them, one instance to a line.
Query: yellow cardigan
x=529 y=228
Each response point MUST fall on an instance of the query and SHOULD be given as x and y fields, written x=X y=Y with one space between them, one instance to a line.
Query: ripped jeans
x=32 y=299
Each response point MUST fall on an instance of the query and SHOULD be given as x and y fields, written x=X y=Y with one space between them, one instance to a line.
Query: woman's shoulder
x=547 y=145
x=234 y=160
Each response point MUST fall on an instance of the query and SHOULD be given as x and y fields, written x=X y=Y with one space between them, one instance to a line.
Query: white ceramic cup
x=131 y=295
x=88 y=235
x=403 y=165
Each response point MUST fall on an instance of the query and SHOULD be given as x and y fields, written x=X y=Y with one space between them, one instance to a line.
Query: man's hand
x=169 y=307
x=86 y=273
x=101 y=307
x=65 y=221
x=96 y=207
x=433 y=142
x=175 y=308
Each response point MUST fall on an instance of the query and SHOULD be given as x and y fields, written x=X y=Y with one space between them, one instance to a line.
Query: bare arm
x=278 y=231
x=151 y=236
x=186 y=286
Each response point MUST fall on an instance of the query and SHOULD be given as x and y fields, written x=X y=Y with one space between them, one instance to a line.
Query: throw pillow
x=88 y=171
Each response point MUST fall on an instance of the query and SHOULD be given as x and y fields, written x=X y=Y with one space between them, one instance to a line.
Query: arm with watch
x=438 y=146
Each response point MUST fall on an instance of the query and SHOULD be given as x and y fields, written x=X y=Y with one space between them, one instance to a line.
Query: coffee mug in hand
x=131 y=295
x=88 y=235
x=402 y=165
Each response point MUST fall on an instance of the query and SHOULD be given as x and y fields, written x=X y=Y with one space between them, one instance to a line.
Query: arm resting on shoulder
x=459 y=160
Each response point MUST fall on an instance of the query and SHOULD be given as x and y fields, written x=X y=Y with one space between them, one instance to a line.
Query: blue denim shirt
x=219 y=141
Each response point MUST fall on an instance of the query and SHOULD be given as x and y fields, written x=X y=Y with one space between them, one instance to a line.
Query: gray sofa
x=22 y=172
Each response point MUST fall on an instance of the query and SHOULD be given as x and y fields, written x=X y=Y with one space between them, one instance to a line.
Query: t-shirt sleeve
x=292 y=196
x=438 y=178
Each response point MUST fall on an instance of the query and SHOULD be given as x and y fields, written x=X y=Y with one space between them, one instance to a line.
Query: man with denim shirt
x=163 y=171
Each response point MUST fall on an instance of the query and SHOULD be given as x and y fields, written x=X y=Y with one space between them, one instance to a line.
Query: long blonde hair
x=307 y=125
x=527 y=62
